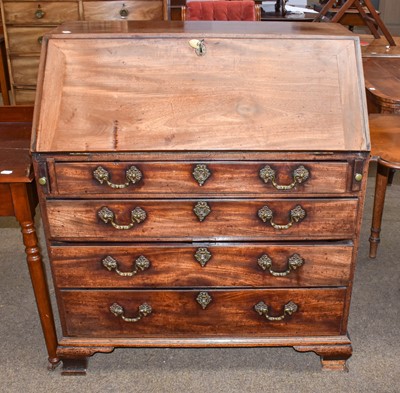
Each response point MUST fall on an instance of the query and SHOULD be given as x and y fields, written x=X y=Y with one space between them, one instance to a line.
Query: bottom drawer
x=189 y=313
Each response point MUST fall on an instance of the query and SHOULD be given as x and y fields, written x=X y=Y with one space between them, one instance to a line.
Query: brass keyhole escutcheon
x=199 y=47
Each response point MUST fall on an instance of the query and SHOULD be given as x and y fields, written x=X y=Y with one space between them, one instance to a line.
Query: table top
x=15 y=135
x=385 y=138
x=382 y=77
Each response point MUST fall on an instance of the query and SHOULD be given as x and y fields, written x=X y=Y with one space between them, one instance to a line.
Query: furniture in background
x=18 y=198
x=25 y=23
x=242 y=10
x=385 y=142
x=370 y=20
x=4 y=80
x=175 y=9
x=382 y=83
x=207 y=213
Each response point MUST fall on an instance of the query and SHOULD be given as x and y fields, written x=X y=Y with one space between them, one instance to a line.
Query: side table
x=18 y=198
x=382 y=82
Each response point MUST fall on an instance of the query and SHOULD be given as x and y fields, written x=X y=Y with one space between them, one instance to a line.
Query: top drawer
x=24 y=12
x=201 y=178
x=123 y=10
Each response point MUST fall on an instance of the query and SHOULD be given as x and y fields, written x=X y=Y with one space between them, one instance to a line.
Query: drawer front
x=24 y=96
x=123 y=10
x=26 y=39
x=180 y=220
x=252 y=265
x=203 y=178
x=25 y=69
x=41 y=12
x=195 y=313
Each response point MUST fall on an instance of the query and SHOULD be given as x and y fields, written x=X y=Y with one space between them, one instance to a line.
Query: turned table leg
x=382 y=175
x=24 y=213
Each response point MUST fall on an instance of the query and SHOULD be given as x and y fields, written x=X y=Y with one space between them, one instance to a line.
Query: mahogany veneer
x=209 y=199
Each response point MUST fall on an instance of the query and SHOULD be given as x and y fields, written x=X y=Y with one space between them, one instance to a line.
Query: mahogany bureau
x=198 y=189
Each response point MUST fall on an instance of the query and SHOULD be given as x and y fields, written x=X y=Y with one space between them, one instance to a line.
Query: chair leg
x=391 y=176
x=382 y=175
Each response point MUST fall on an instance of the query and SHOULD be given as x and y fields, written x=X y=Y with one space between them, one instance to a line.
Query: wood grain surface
x=177 y=313
x=174 y=265
x=175 y=220
x=242 y=86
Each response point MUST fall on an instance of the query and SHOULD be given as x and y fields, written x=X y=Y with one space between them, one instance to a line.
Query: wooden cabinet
x=201 y=199
x=25 y=23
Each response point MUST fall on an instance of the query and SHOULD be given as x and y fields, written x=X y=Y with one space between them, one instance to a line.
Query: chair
x=371 y=21
x=221 y=11
x=385 y=143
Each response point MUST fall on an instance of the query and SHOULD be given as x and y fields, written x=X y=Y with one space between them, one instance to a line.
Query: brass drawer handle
x=295 y=261
x=300 y=175
x=201 y=210
x=201 y=173
x=141 y=263
x=296 y=215
x=144 y=310
x=39 y=13
x=40 y=40
x=123 y=12
x=138 y=215
x=262 y=309
x=132 y=175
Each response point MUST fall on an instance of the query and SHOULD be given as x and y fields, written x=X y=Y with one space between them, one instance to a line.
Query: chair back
x=245 y=10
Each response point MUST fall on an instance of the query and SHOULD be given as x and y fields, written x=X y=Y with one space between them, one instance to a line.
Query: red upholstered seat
x=221 y=10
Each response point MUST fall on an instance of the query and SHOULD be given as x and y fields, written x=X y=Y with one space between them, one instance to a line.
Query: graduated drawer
x=46 y=12
x=24 y=96
x=26 y=39
x=252 y=265
x=182 y=220
x=123 y=10
x=202 y=313
x=25 y=70
x=201 y=178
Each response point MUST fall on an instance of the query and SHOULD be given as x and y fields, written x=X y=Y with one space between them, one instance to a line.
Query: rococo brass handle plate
x=262 y=309
x=201 y=173
x=202 y=210
x=300 y=175
x=141 y=263
x=204 y=299
x=202 y=256
x=144 y=310
x=138 y=215
x=295 y=261
x=133 y=175
x=296 y=215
